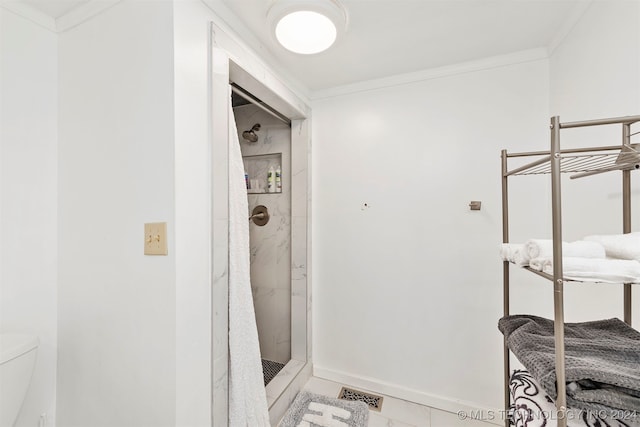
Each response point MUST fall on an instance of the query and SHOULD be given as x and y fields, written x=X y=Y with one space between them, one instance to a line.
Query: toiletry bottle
x=271 y=187
x=246 y=180
x=278 y=180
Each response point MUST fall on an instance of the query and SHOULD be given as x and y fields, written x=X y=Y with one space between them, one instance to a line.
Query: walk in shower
x=265 y=142
x=273 y=131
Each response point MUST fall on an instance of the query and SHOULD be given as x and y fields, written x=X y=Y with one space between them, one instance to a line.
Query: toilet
x=17 y=360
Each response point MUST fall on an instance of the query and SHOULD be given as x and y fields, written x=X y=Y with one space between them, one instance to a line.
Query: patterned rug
x=313 y=410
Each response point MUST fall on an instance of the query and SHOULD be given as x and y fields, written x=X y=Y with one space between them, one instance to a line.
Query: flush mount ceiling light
x=307 y=26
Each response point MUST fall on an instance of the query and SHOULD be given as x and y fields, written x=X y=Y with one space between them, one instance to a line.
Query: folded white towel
x=622 y=246
x=593 y=270
x=541 y=248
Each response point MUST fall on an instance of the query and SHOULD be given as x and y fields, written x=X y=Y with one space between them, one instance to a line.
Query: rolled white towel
x=508 y=250
x=540 y=264
x=595 y=270
x=622 y=246
x=520 y=257
x=541 y=248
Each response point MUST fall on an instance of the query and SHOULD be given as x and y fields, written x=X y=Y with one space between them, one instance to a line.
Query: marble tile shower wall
x=270 y=244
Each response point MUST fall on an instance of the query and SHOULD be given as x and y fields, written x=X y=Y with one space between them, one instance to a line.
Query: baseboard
x=462 y=408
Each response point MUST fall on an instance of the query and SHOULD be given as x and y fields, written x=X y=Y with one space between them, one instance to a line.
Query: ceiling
x=55 y=8
x=391 y=37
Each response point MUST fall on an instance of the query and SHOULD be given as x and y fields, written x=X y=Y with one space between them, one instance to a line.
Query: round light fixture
x=306 y=26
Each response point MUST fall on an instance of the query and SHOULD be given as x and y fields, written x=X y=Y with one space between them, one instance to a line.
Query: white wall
x=407 y=289
x=135 y=332
x=594 y=73
x=28 y=198
x=117 y=307
x=193 y=223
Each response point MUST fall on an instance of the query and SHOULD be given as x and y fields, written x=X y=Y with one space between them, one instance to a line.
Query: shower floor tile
x=270 y=369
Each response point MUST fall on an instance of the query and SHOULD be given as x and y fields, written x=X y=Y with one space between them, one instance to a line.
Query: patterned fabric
x=532 y=407
x=602 y=360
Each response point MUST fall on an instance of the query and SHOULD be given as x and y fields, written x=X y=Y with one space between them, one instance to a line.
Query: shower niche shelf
x=257 y=167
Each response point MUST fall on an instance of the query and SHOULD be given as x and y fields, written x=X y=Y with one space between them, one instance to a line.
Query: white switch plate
x=155 y=238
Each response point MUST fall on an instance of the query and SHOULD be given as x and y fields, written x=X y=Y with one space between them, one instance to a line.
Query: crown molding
x=31 y=13
x=82 y=13
x=71 y=19
x=434 y=73
x=237 y=31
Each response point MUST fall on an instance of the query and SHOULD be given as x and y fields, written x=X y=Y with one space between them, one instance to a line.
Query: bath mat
x=313 y=410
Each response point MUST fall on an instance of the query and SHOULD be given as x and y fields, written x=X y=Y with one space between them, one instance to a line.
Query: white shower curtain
x=247 y=396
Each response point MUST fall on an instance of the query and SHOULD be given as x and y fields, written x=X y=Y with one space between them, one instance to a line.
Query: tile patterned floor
x=397 y=412
x=270 y=369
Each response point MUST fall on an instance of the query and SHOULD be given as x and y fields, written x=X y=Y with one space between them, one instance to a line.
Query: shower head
x=250 y=135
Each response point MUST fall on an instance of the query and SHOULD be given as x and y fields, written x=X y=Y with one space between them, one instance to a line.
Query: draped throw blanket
x=602 y=360
x=247 y=396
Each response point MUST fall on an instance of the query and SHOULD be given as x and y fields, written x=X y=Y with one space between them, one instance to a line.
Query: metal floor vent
x=374 y=401
x=270 y=369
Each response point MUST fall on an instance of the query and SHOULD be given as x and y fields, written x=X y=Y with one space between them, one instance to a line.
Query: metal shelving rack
x=579 y=162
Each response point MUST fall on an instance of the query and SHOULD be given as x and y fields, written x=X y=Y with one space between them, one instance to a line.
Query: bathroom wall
x=583 y=89
x=135 y=332
x=117 y=307
x=271 y=243
x=407 y=282
x=28 y=199
x=197 y=260
x=608 y=87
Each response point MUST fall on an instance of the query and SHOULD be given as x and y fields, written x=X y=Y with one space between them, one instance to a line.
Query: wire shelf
x=581 y=164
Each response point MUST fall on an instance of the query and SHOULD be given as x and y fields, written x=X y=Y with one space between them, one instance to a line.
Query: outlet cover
x=155 y=238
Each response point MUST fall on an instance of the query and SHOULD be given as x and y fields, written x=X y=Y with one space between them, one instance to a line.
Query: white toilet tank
x=17 y=360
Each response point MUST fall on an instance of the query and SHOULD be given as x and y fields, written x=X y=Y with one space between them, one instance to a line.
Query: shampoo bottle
x=278 y=180
x=271 y=187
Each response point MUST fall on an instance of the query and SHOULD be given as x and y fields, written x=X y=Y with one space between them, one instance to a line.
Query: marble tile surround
x=220 y=249
x=270 y=244
x=224 y=70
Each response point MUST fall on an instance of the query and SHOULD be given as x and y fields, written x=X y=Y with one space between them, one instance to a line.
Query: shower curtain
x=247 y=396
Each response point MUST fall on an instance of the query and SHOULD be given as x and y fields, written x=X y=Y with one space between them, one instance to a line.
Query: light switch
x=155 y=238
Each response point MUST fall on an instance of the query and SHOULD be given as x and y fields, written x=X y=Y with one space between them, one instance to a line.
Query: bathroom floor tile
x=376 y=420
x=394 y=413
x=447 y=419
x=397 y=412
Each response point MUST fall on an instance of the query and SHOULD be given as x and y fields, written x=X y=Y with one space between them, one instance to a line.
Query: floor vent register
x=374 y=401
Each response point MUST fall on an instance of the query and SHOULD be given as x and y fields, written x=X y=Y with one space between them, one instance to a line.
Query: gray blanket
x=602 y=360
